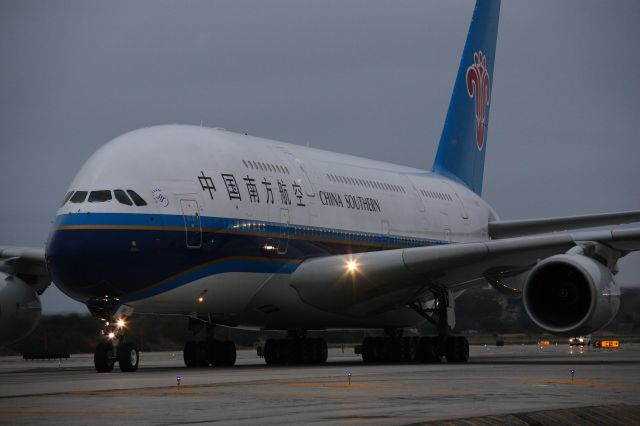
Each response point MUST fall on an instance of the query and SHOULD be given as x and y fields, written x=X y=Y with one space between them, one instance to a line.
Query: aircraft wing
x=516 y=228
x=27 y=263
x=389 y=279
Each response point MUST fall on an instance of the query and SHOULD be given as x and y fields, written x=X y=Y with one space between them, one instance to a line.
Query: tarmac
x=514 y=384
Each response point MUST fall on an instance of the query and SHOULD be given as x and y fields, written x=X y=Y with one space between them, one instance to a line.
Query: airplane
x=239 y=231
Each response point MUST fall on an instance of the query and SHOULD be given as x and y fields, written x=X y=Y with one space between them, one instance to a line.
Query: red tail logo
x=479 y=85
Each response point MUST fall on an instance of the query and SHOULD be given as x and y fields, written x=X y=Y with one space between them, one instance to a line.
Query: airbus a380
x=235 y=230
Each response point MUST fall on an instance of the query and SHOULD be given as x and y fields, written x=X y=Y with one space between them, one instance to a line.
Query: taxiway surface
x=496 y=381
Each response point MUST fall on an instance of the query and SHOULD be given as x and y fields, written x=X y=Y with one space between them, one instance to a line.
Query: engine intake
x=570 y=294
x=19 y=309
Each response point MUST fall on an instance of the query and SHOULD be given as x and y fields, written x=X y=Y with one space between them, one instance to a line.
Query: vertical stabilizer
x=464 y=137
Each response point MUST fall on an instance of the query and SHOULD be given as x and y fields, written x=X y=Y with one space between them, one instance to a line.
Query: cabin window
x=122 y=198
x=138 y=200
x=99 y=196
x=245 y=164
x=66 y=198
x=79 y=196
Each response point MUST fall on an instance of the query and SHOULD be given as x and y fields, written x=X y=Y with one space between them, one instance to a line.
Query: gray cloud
x=368 y=78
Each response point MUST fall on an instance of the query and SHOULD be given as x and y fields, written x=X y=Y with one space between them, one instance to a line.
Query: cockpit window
x=66 y=198
x=121 y=196
x=136 y=198
x=99 y=196
x=79 y=197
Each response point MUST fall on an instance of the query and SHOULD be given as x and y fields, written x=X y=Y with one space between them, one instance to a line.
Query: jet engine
x=19 y=309
x=570 y=294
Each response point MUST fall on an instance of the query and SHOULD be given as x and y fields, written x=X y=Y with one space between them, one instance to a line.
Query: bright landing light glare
x=352 y=265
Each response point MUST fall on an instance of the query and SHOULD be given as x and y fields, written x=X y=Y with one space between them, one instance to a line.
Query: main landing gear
x=395 y=348
x=114 y=348
x=295 y=349
x=415 y=349
x=207 y=351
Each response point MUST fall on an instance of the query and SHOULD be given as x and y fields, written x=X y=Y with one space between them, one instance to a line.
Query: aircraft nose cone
x=79 y=266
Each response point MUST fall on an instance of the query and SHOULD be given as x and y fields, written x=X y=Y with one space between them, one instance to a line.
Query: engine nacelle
x=570 y=294
x=20 y=309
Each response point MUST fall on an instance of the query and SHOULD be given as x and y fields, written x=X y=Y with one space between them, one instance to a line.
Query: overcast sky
x=369 y=78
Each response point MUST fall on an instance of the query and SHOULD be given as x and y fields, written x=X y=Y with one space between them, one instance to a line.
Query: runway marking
x=141 y=391
x=41 y=412
x=321 y=385
x=584 y=383
x=315 y=395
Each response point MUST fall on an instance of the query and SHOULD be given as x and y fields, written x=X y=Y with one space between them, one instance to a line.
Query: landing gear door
x=458 y=200
x=299 y=172
x=283 y=244
x=192 y=223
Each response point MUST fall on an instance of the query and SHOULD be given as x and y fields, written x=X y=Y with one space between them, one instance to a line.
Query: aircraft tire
x=271 y=352
x=228 y=352
x=321 y=352
x=202 y=360
x=103 y=358
x=457 y=349
x=214 y=352
x=428 y=349
x=463 y=355
x=368 y=351
x=128 y=357
x=190 y=354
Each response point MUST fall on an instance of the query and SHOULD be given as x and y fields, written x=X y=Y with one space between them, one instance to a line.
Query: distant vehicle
x=580 y=341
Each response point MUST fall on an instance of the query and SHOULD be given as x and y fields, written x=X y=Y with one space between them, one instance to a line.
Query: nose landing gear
x=114 y=348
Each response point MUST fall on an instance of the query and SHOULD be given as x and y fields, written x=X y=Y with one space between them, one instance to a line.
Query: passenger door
x=192 y=224
x=283 y=244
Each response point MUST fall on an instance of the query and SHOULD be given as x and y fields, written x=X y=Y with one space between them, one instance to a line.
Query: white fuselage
x=251 y=204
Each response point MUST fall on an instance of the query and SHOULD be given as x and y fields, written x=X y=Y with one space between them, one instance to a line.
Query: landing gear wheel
x=457 y=349
x=191 y=354
x=463 y=355
x=103 y=357
x=214 y=352
x=322 y=351
x=201 y=354
x=368 y=351
x=228 y=349
x=271 y=352
x=128 y=357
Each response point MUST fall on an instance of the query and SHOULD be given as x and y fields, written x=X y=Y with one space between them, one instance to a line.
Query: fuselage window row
x=265 y=167
x=366 y=183
x=436 y=195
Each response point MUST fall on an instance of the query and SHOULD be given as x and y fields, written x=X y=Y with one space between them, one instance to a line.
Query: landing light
x=121 y=323
x=111 y=335
x=352 y=265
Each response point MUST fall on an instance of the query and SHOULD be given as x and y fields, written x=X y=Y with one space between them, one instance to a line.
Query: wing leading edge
x=516 y=228
x=27 y=263
x=383 y=280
